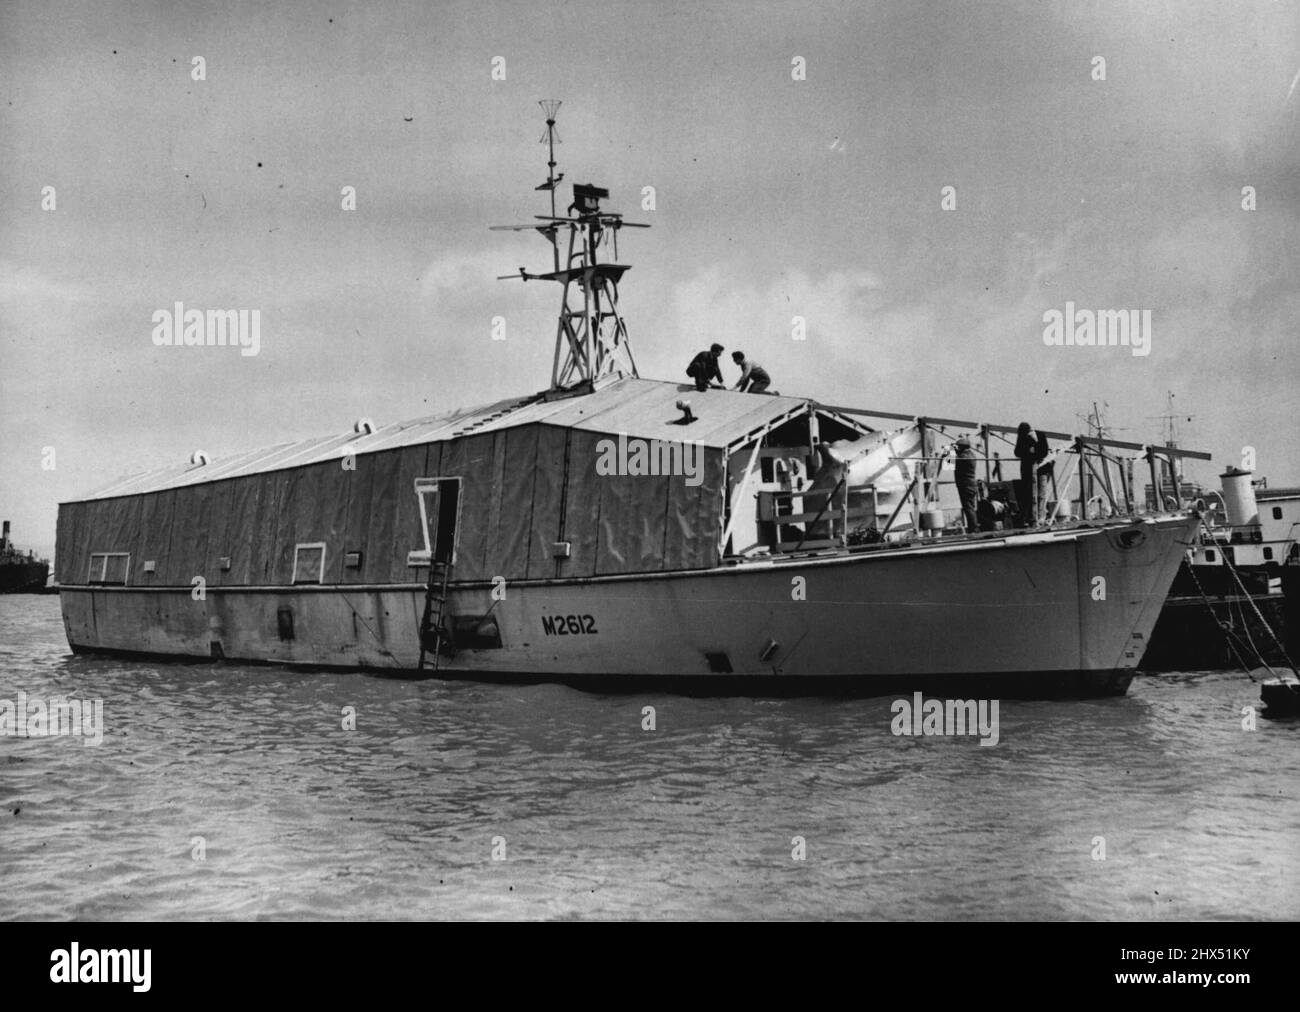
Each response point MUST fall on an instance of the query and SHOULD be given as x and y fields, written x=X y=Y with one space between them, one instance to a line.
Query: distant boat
x=616 y=532
x=19 y=573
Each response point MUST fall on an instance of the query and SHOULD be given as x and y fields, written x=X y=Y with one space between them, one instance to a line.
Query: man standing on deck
x=704 y=367
x=751 y=373
x=967 y=488
x=1026 y=450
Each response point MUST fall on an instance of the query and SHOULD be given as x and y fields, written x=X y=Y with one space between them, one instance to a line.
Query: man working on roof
x=751 y=373
x=704 y=367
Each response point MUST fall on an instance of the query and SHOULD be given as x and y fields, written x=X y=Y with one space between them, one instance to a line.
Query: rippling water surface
x=300 y=818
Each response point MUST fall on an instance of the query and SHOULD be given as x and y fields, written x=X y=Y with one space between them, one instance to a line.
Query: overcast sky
x=774 y=198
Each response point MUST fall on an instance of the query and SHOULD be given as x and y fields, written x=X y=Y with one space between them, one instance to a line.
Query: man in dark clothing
x=753 y=377
x=967 y=488
x=704 y=367
x=1026 y=450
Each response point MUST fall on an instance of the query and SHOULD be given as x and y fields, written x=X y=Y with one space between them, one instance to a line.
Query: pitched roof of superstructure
x=640 y=408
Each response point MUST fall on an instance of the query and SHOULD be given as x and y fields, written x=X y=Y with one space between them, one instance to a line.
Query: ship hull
x=24 y=577
x=1044 y=614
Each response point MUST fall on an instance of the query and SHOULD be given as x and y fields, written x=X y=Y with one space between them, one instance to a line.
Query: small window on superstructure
x=109 y=568
x=1277 y=512
x=309 y=563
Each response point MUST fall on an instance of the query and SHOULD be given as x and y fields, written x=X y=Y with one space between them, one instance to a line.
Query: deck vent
x=363 y=427
x=150 y=566
x=352 y=560
x=224 y=563
x=769 y=651
x=284 y=622
x=199 y=457
x=719 y=663
x=562 y=549
x=688 y=416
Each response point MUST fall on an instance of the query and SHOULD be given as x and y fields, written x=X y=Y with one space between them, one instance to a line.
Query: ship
x=617 y=532
x=1226 y=606
x=20 y=573
x=1250 y=530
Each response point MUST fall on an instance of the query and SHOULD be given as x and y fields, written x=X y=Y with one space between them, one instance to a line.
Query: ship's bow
x=1124 y=577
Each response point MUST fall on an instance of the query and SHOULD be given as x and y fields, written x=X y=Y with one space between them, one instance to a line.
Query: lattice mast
x=591 y=341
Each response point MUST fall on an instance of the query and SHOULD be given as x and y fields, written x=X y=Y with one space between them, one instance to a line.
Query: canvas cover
x=524 y=488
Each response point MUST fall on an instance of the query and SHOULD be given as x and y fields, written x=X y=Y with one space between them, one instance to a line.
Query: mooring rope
x=1227 y=561
x=1224 y=627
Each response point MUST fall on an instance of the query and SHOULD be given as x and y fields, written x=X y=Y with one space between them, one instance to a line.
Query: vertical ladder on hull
x=432 y=631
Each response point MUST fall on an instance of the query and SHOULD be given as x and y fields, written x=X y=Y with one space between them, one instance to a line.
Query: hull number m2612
x=569 y=625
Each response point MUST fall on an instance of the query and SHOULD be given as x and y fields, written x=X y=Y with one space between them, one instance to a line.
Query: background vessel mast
x=1174 y=466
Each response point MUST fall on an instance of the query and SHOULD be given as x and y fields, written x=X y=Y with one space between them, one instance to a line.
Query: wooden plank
x=1170 y=451
x=789 y=546
x=806 y=518
x=872 y=414
x=990 y=427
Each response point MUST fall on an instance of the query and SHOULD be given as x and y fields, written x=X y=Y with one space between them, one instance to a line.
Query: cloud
x=23 y=288
x=473 y=275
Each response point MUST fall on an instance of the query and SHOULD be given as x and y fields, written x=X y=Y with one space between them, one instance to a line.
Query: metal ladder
x=435 y=600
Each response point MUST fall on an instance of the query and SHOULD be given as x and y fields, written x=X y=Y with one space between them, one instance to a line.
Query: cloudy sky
x=774 y=197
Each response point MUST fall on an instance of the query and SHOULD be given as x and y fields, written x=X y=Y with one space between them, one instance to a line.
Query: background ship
x=1249 y=530
x=808 y=550
x=20 y=573
x=1226 y=606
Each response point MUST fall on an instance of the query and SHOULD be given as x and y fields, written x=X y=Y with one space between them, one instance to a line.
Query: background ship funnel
x=1239 y=497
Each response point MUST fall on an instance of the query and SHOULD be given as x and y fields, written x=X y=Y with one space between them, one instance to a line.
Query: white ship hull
x=1064 y=612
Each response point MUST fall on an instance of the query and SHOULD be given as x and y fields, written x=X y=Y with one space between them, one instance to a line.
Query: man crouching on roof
x=704 y=367
x=751 y=373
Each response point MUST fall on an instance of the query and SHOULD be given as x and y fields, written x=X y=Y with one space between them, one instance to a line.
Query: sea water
x=223 y=791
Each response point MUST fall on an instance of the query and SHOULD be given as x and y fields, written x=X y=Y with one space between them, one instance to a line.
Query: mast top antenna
x=550 y=138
